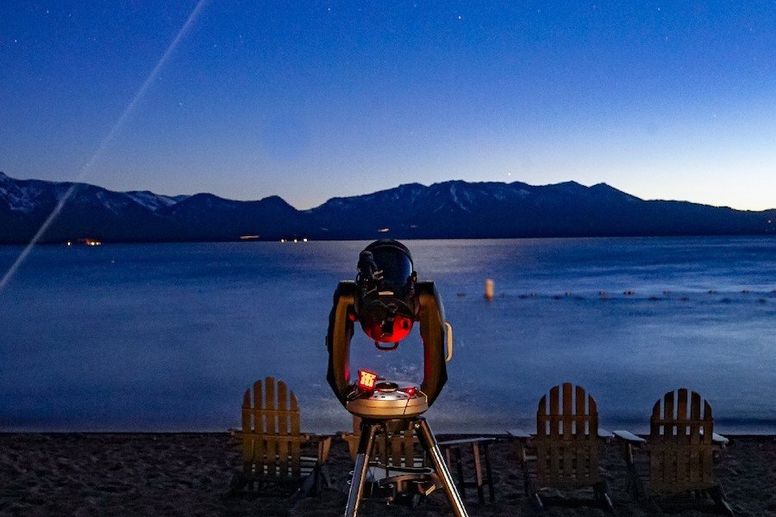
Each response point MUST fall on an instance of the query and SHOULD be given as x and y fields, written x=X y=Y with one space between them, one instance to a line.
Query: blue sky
x=311 y=100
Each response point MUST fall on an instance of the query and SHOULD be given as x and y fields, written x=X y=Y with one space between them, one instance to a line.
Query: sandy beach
x=189 y=474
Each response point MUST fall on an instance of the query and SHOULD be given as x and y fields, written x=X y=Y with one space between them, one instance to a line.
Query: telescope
x=387 y=300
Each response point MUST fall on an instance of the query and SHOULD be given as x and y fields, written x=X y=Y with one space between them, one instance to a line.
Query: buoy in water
x=489 y=289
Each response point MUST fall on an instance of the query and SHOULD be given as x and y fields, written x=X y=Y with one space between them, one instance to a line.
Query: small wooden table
x=479 y=447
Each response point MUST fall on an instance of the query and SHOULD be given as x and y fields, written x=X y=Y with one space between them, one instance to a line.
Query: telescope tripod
x=418 y=425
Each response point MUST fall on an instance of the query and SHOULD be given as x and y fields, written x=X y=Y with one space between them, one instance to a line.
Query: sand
x=189 y=474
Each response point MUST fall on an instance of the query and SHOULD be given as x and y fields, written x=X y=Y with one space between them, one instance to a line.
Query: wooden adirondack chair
x=274 y=451
x=399 y=449
x=680 y=447
x=398 y=464
x=564 y=452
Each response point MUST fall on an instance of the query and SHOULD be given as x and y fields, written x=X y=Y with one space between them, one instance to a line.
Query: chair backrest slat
x=283 y=429
x=295 y=431
x=259 y=447
x=247 y=423
x=580 y=422
x=270 y=441
x=566 y=419
x=554 y=443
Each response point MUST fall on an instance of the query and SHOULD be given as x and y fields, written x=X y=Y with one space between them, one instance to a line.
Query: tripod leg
x=365 y=445
x=429 y=442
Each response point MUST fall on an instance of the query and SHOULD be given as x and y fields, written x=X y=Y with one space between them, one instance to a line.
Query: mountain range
x=451 y=209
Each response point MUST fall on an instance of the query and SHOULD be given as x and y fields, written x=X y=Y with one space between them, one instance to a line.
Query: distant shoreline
x=410 y=239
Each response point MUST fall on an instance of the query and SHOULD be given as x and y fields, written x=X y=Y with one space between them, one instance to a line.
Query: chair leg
x=310 y=486
x=634 y=483
x=237 y=484
x=478 y=473
x=318 y=473
x=489 y=472
x=459 y=471
x=325 y=477
x=537 y=501
x=316 y=481
x=719 y=498
x=601 y=491
x=533 y=495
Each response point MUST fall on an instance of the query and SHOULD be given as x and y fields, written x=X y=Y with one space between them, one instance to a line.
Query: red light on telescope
x=410 y=391
x=366 y=380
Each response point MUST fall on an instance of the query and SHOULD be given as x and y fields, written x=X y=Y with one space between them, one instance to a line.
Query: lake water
x=166 y=337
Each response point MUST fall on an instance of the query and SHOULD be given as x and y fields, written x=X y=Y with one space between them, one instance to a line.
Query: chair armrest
x=323 y=442
x=324 y=446
x=519 y=434
x=522 y=439
x=629 y=437
x=467 y=441
x=630 y=441
x=718 y=439
x=351 y=439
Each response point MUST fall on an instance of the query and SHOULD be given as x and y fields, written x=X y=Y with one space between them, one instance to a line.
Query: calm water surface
x=166 y=337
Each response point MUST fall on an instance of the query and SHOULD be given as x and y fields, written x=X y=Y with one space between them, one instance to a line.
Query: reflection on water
x=166 y=337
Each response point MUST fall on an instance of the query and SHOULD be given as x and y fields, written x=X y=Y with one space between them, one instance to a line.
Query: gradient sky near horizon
x=310 y=100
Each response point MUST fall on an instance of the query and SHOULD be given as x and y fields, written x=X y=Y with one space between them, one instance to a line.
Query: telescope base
x=439 y=475
x=382 y=406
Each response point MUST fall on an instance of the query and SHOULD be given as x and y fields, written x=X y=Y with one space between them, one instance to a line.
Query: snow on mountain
x=19 y=196
x=153 y=201
x=26 y=196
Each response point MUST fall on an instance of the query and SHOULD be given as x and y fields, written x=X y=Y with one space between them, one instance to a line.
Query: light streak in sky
x=104 y=143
